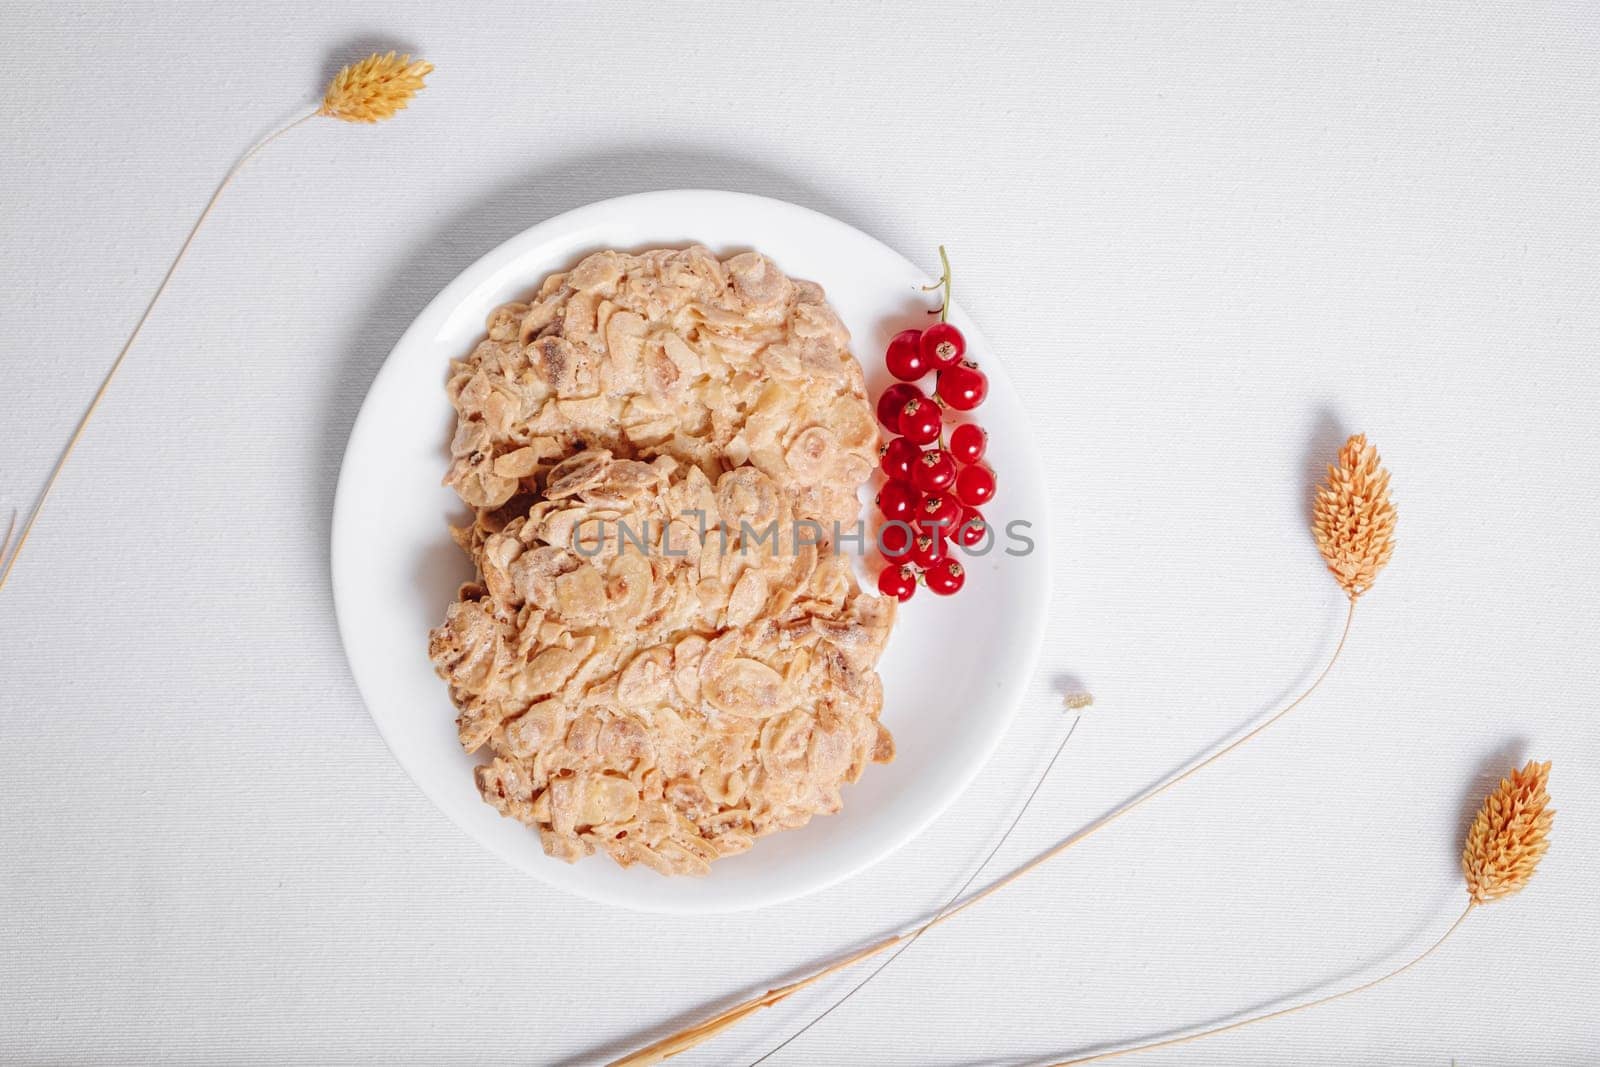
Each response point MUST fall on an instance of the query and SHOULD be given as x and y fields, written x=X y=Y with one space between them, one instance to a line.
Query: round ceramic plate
x=955 y=668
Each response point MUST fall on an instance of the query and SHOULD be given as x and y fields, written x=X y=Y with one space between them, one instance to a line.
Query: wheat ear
x=1353 y=522
x=1508 y=838
x=368 y=91
x=695 y=1035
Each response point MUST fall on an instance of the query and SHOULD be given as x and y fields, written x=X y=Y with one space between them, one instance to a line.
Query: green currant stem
x=944 y=260
x=944 y=282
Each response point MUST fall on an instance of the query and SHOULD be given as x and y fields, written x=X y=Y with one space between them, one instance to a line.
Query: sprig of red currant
x=937 y=481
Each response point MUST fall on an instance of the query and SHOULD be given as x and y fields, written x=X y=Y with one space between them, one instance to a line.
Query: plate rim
x=451 y=296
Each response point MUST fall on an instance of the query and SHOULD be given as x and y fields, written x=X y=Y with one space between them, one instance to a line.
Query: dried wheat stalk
x=1353 y=520
x=368 y=91
x=1508 y=838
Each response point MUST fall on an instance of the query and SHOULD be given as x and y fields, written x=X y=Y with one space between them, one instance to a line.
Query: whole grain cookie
x=663 y=656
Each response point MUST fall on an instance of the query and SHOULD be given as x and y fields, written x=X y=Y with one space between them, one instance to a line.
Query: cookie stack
x=664 y=655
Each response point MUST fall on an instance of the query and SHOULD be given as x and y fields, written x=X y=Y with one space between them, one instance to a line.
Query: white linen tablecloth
x=1207 y=240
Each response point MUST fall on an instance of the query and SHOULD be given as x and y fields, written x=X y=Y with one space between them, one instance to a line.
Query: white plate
x=955 y=668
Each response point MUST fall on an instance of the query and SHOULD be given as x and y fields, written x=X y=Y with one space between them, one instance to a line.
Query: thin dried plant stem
x=957 y=895
x=945 y=282
x=83 y=423
x=1169 y=1042
x=699 y=1033
x=702 y=1032
x=1157 y=790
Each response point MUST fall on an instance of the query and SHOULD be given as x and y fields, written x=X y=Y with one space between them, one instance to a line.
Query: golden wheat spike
x=1510 y=835
x=374 y=89
x=1353 y=518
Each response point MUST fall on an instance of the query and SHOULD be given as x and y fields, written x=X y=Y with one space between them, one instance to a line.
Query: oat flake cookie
x=670 y=695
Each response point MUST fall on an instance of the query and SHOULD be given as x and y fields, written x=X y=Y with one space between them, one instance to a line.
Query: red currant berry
x=972 y=530
x=893 y=399
x=975 y=484
x=898 y=458
x=926 y=550
x=904 y=358
x=963 y=386
x=968 y=442
x=938 y=515
x=945 y=577
x=898 y=501
x=935 y=471
x=898 y=582
x=942 y=346
x=919 y=421
x=895 y=541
